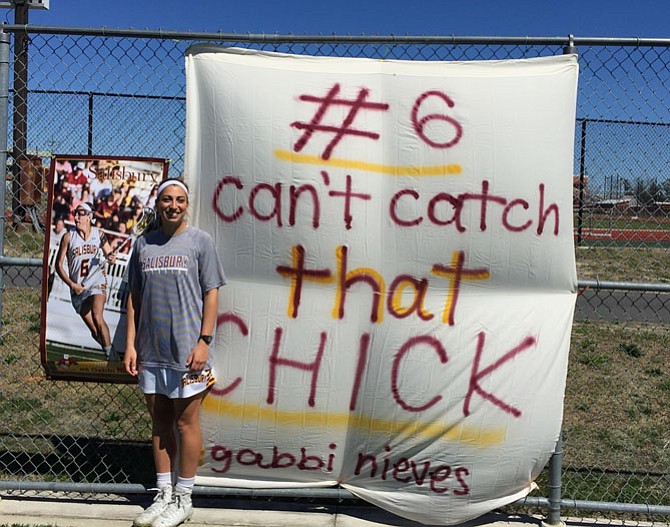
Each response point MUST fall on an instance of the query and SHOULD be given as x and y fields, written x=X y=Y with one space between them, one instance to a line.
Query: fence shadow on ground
x=80 y=459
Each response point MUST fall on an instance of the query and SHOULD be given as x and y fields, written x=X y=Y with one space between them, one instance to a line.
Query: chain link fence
x=123 y=93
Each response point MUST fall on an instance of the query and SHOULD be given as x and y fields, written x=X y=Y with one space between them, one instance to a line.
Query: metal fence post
x=582 y=183
x=4 y=121
x=20 y=113
x=554 y=485
x=90 y=125
x=556 y=460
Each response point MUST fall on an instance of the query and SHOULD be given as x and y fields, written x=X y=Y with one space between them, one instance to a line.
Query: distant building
x=626 y=204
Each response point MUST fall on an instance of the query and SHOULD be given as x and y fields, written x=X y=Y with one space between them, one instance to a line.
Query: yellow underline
x=310 y=419
x=393 y=170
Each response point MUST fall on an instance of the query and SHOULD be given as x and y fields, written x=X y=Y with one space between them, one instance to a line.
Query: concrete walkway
x=56 y=511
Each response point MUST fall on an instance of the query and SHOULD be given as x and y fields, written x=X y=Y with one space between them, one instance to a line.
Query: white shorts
x=174 y=384
x=78 y=300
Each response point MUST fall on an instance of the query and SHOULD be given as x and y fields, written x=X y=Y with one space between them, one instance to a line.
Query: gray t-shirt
x=172 y=274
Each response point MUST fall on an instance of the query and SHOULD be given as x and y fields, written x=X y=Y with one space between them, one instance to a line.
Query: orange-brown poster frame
x=117 y=190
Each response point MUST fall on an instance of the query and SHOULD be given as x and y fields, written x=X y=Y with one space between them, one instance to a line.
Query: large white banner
x=398 y=242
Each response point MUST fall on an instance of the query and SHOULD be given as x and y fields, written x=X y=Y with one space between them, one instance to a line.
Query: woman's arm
x=132 y=316
x=60 y=258
x=198 y=357
x=107 y=250
x=60 y=265
x=209 y=311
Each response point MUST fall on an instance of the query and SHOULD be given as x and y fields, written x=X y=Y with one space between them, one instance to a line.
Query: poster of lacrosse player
x=98 y=206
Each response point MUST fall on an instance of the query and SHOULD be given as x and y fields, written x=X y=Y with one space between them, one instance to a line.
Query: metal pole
x=582 y=183
x=556 y=460
x=554 y=485
x=20 y=119
x=4 y=118
x=90 y=124
x=571 y=49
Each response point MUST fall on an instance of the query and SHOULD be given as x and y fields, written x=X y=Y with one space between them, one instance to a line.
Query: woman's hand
x=130 y=361
x=198 y=357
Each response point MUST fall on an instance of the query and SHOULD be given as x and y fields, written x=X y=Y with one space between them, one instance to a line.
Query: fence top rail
x=569 y=40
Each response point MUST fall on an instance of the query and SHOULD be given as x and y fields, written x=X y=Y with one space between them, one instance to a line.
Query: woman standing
x=174 y=277
x=86 y=276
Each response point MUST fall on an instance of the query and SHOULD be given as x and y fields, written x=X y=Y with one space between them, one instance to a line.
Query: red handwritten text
x=420 y=343
x=344 y=279
x=224 y=458
x=339 y=131
x=441 y=209
x=442 y=479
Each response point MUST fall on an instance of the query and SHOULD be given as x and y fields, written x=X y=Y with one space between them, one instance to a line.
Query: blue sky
x=585 y=18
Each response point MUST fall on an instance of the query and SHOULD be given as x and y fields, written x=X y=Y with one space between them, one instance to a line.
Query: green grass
x=24 y=243
x=10 y=359
x=623 y=264
x=631 y=349
x=622 y=488
x=594 y=359
x=616 y=417
x=623 y=222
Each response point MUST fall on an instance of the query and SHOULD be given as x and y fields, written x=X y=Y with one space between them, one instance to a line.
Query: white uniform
x=86 y=265
x=54 y=243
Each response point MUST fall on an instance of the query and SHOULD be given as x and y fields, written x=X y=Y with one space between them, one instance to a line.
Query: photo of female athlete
x=86 y=247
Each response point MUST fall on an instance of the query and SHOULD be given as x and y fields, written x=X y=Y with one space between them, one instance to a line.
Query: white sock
x=184 y=485
x=163 y=479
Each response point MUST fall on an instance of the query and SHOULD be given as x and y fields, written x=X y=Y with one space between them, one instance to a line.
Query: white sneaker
x=178 y=511
x=161 y=501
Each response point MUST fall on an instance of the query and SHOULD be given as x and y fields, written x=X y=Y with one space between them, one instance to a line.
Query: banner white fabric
x=398 y=242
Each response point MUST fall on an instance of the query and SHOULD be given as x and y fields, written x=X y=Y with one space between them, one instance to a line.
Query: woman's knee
x=189 y=419
x=98 y=320
x=188 y=424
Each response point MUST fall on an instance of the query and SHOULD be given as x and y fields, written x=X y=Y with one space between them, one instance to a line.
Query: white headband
x=169 y=182
x=86 y=206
